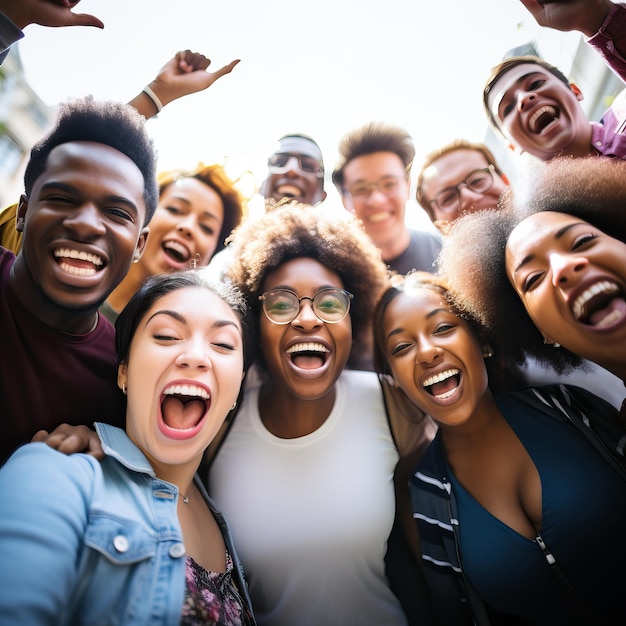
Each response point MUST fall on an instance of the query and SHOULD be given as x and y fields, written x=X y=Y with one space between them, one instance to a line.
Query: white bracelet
x=155 y=100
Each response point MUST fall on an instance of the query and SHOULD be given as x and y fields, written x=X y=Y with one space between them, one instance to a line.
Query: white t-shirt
x=310 y=516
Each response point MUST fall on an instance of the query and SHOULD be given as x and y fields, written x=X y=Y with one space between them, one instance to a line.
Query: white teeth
x=77 y=271
x=537 y=114
x=437 y=378
x=307 y=347
x=178 y=248
x=378 y=217
x=67 y=253
x=604 y=286
x=289 y=190
x=187 y=390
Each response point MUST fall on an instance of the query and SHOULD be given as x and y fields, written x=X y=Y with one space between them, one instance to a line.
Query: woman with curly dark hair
x=497 y=496
x=305 y=473
x=550 y=278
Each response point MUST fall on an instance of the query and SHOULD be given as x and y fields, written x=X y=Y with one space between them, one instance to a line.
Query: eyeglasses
x=361 y=191
x=479 y=181
x=281 y=306
x=282 y=162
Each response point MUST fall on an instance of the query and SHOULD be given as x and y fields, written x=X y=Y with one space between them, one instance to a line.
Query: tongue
x=614 y=311
x=307 y=361
x=445 y=385
x=180 y=415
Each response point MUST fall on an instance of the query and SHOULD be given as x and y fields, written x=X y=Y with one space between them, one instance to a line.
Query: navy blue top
x=582 y=525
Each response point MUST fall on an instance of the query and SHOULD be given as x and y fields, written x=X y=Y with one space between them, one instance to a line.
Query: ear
x=577 y=92
x=390 y=379
x=122 y=375
x=20 y=213
x=141 y=244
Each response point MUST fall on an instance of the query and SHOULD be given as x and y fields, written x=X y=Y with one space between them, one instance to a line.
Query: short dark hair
x=434 y=155
x=156 y=287
x=215 y=177
x=504 y=67
x=374 y=137
x=113 y=124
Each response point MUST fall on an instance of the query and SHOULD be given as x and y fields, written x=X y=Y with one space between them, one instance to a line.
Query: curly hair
x=434 y=155
x=502 y=374
x=262 y=244
x=113 y=124
x=215 y=177
x=472 y=257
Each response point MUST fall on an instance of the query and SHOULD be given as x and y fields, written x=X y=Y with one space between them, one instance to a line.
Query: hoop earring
x=124 y=388
x=19 y=227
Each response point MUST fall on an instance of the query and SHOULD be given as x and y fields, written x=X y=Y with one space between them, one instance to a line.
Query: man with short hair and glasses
x=460 y=177
x=295 y=171
x=372 y=177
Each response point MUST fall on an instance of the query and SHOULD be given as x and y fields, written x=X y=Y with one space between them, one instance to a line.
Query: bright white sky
x=321 y=68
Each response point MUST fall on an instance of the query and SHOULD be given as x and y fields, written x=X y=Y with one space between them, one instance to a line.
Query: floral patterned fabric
x=212 y=598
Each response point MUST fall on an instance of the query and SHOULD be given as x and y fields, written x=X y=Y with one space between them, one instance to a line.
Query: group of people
x=312 y=416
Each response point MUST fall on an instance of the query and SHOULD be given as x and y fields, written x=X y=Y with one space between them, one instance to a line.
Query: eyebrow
x=429 y=315
x=183 y=320
x=73 y=190
x=559 y=233
x=188 y=203
x=497 y=101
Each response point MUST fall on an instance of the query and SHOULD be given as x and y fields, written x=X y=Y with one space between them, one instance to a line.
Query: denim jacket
x=84 y=542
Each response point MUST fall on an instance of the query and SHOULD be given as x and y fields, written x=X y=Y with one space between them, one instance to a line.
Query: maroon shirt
x=48 y=377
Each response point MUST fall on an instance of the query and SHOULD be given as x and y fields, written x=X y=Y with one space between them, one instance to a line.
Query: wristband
x=155 y=100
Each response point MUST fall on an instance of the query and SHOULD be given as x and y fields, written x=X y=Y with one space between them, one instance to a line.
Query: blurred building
x=24 y=118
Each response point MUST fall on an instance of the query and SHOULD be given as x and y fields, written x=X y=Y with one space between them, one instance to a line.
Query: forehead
x=197 y=303
x=302 y=273
x=300 y=146
x=537 y=229
x=373 y=166
x=510 y=78
x=453 y=167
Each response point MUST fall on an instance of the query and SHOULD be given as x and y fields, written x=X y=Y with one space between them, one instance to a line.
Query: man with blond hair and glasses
x=372 y=177
x=458 y=178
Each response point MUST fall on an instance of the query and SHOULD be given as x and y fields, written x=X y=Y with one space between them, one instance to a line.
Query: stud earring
x=487 y=354
x=232 y=408
x=554 y=344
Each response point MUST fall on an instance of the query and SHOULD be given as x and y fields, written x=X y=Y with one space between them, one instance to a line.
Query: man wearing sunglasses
x=372 y=177
x=295 y=171
x=460 y=177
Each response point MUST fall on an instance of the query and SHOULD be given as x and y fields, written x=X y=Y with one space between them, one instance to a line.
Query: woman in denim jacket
x=135 y=539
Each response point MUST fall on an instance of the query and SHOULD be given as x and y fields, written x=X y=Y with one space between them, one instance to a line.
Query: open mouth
x=309 y=355
x=78 y=262
x=289 y=191
x=542 y=118
x=380 y=216
x=176 y=251
x=444 y=384
x=600 y=305
x=184 y=406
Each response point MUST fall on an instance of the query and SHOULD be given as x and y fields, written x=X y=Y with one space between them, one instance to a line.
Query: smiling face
x=451 y=169
x=183 y=375
x=306 y=356
x=186 y=226
x=539 y=113
x=434 y=355
x=83 y=227
x=571 y=278
x=295 y=183
x=382 y=213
